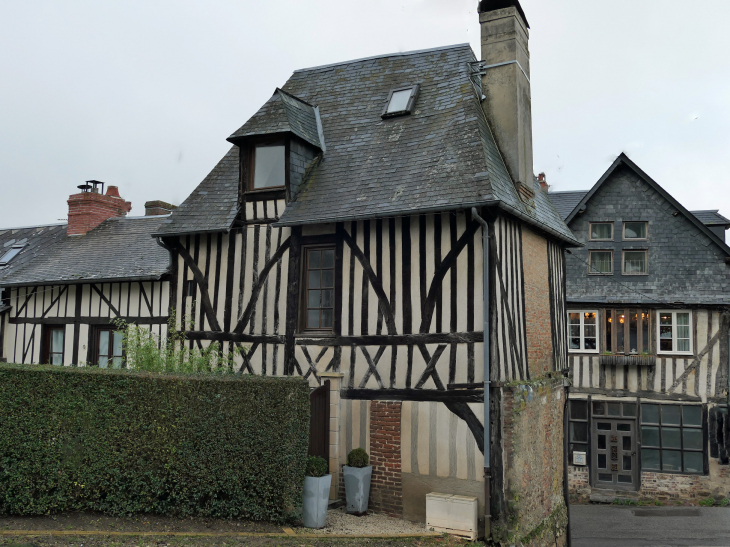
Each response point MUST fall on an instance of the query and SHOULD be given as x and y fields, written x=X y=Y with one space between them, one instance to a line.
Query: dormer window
x=400 y=101
x=269 y=166
x=10 y=254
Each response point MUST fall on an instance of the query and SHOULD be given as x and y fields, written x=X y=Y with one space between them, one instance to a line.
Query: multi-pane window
x=601 y=262
x=627 y=331
x=578 y=428
x=54 y=341
x=672 y=438
x=268 y=166
x=600 y=231
x=635 y=230
x=636 y=262
x=675 y=332
x=583 y=331
x=320 y=288
x=109 y=348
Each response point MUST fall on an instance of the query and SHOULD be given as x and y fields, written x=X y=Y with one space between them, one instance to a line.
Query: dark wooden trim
x=28 y=296
x=339 y=259
x=351 y=285
x=161 y=320
x=77 y=323
x=364 y=312
x=292 y=300
x=61 y=292
x=108 y=302
x=633 y=394
x=463 y=411
x=230 y=267
x=198 y=275
x=438 y=395
x=394 y=340
x=393 y=301
x=406 y=274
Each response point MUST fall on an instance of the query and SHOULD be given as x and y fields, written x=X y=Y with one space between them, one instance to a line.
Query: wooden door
x=614 y=458
x=319 y=418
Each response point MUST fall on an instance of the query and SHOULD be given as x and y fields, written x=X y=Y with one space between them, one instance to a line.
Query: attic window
x=269 y=166
x=400 y=101
x=10 y=254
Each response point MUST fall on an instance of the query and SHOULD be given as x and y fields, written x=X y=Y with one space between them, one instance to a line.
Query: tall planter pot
x=357 y=488
x=315 y=499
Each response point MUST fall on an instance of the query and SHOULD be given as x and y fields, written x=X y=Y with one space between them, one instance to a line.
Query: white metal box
x=452 y=514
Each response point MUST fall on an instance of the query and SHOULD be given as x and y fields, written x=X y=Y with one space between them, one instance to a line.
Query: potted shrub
x=357 y=475
x=315 y=497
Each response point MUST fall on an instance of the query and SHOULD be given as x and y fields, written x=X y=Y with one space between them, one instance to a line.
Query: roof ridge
x=32 y=227
x=396 y=54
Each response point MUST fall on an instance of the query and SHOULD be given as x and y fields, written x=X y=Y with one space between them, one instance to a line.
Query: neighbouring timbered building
x=64 y=285
x=342 y=239
x=648 y=315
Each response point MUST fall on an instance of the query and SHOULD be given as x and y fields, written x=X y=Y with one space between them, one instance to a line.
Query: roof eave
x=159 y=277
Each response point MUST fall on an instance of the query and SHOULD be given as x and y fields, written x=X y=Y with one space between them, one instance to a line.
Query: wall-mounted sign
x=579 y=458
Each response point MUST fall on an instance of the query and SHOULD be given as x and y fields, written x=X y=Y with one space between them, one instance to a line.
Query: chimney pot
x=89 y=209
x=543 y=181
x=158 y=208
x=113 y=191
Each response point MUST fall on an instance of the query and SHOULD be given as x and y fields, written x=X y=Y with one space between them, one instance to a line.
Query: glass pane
x=328 y=278
x=601 y=461
x=313 y=319
x=8 y=256
x=635 y=230
x=328 y=259
x=597 y=407
x=627 y=463
x=603 y=426
x=623 y=427
x=605 y=477
x=574 y=318
x=575 y=343
x=670 y=415
x=327 y=318
x=626 y=443
x=314 y=279
x=609 y=321
x=269 y=167
x=630 y=410
x=601 y=262
x=313 y=299
x=579 y=410
x=626 y=479
x=621 y=320
x=399 y=101
x=650 y=436
x=328 y=299
x=56 y=358
x=671 y=460
x=117 y=362
x=57 y=340
x=693 y=462
x=671 y=437
x=601 y=231
x=117 y=345
x=683 y=319
x=575 y=331
x=650 y=414
x=682 y=345
x=692 y=415
x=692 y=438
x=590 y=344
x=645 y=330
x=589 y=319
x=589 y=331
x=579 y=431
x=315 y=260
x=635 y=262
x=665 y=345
x=665 y=319
x=633 y=332
x=103 y=361
x=649 y=459
x=601 y=442
x=104 y=343
x=614 y=409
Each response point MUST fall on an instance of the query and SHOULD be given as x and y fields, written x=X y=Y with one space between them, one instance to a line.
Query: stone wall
x=578 y=482
x=386 y=495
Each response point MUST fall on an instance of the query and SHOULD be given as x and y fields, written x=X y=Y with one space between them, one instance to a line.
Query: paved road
x=605 y=525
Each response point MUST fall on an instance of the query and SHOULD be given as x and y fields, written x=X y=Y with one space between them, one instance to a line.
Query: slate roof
x=282 y=113
x=711 y=218
x=118 y=249
x=566 y=201
x=37 y=240
x=440 y=157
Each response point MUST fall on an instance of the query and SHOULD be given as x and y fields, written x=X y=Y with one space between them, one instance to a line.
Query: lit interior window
x=269 y=166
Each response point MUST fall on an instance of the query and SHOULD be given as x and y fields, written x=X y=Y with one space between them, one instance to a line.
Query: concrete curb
x=287 y=532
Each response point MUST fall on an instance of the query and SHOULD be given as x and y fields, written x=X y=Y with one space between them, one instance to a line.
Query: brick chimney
x=542 y=181
x=90 y=208
x=158 y=208
x=506 y=85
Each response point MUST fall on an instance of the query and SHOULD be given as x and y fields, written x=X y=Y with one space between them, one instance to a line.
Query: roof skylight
x=10 y=254
x=400 y=101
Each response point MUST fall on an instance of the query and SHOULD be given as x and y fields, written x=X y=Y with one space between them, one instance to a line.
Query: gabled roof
x=711 y=218
x=117 y=249
x=623 y=159
x=282 y=113
x=35 y=240
x=566 y=201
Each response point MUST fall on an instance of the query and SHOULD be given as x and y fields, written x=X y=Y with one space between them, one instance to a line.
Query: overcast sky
x=142 y=94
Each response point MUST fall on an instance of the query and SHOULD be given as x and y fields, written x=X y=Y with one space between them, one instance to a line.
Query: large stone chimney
x=506 y=85
x=90 y=208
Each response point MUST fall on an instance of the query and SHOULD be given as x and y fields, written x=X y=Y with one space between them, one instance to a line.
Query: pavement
x=605 y=525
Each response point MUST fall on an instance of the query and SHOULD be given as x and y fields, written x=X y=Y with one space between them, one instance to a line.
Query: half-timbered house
x=64 y=285
x=376 y=229
x=648 y=315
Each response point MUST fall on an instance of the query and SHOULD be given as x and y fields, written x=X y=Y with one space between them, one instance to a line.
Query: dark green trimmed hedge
x=122 y=442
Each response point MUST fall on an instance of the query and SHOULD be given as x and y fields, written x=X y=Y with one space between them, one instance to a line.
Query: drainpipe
x=487 y=429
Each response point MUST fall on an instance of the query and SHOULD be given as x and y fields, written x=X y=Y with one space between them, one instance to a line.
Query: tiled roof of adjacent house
x=118 y=249
x=711 y=218
x=440 y=157
x=566 y=201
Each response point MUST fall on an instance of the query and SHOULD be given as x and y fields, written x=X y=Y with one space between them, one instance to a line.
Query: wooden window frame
x=702 y=427
x=613 y=230
x=623 y=261
x=250 y=165
x=674 y=333
x=304 y=284
x=46 y=349
x=645 y=345
x=96 y=335
x=623 y=230
x=415 y=89
x=582 y=332
x=590 y=268
x=587 y=421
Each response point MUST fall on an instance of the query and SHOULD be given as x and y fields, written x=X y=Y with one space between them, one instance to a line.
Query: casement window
x=601 y=262
x=583 y=331
x=578 y=428
x=600 y=231
x=400 y=101
x=635 y=262
x=636 y=231
x=319 y=289
x=672 y=438
x=268 y=166
x=627 y=331
x=53 y=344
x=674 y=331
x=108 y=348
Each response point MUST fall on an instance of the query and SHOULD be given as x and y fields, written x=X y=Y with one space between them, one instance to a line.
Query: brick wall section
x=580 y=488
x=386 y=495
x=537 y=303
x=87 y=210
